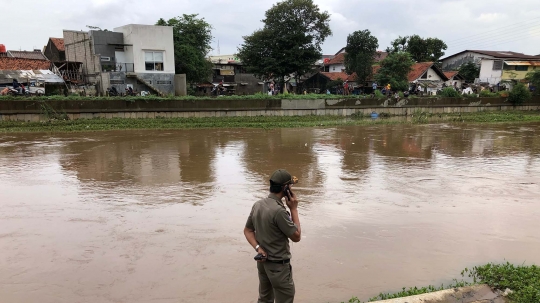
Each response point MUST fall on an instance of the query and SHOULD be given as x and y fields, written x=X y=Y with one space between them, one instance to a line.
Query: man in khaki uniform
x=268 y=229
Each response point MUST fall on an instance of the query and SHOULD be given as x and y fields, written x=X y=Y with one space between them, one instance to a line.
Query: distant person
x=16 y=85
x=268 y=229
x=406 y=94
x=374 y=86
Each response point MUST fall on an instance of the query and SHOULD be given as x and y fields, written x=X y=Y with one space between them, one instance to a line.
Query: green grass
x=524 y=281
x=478 y=117
x=98 y=124
x=266 y=122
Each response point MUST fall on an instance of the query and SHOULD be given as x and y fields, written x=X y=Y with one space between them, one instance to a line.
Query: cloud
x=458 y=22
x=489 y=17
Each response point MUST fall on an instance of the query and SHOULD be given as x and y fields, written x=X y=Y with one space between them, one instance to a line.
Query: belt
x=279 y=261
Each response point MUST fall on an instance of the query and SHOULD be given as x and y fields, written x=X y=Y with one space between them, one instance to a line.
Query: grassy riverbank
x=260 y=122
x=523 y=281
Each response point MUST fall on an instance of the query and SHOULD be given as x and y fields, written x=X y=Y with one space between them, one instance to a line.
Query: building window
x=497 y=65
x=153 y=61
x=522 y=68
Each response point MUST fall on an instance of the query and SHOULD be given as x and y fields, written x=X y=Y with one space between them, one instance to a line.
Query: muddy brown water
x=157 y=216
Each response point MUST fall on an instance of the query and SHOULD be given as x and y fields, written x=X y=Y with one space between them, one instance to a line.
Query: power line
x=499 y=40
x=497 y=29
x=507 y=41
x=504 y=36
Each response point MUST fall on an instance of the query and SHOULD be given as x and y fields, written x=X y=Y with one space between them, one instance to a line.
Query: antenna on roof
x=218 y=51
x=93 y=27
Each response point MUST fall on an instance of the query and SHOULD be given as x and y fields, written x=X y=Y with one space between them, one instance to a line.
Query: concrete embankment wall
x=31 y=110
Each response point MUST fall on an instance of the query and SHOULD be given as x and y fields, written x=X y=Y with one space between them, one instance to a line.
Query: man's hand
x=261 y=251
x=291 y=200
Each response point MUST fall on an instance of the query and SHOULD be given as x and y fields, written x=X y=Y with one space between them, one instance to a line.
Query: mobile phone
x=287 y=190
x=259 y=257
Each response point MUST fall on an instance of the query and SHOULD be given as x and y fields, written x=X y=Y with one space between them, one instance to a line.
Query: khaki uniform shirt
x=273 y=226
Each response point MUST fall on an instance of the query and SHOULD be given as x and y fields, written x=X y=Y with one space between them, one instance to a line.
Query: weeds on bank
x=265 y=122
x=523 y=281
x=59 y=123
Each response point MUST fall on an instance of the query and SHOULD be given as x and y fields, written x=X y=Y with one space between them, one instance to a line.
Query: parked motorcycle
x=218 y=91
x=14 y=92
x=112 y=91
x=130 y=92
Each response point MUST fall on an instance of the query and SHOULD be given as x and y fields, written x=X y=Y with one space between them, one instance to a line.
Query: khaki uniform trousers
x=275 y=282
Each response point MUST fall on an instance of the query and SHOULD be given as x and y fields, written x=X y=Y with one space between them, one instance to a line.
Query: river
x=158 y=216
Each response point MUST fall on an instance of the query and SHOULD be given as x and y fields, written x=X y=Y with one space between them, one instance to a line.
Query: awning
x=526 y=63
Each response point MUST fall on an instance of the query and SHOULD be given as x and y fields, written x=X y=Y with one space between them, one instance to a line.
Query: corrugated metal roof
x=46 y=76
x=27 y=54
x=527 y=63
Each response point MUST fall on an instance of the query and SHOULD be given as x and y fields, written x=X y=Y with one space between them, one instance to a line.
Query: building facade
x=136 y=56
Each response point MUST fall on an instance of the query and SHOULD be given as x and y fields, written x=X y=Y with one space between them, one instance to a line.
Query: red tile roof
x=451 y=74
x=59 y=43
x=340 y=58
x=337 y=75
x=10 y=63
x=418 y=69
x=344 y=76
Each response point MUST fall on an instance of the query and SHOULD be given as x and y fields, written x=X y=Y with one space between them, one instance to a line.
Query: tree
x=534 y=79
x=192 y=37
x=519 y=94
x=290 y=41
x=395 y=70
x=469 y=71
x=421 y=50
x=360 y=54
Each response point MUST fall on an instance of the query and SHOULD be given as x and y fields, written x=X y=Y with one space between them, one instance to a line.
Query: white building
x=137 y=56
x=495 y=66
x=149 y=47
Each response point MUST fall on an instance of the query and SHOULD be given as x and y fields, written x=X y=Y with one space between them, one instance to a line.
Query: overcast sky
x=462 y=24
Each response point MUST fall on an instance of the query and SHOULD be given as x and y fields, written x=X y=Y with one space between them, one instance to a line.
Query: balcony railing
x=117 y=67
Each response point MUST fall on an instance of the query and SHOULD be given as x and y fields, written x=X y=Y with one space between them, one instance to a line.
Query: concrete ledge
x=469 y=294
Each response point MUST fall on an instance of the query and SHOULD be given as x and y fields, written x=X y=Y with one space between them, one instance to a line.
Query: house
x=229 y=70
x=55 y=50
x=337 y=63
x=455 y=61
x=320 y=81
x=495 y=66
x=454 y=78
x=428 y=76
x=137 y=56
x=33 y=73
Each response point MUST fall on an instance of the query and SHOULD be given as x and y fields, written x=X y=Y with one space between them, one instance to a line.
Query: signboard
x=226 y=72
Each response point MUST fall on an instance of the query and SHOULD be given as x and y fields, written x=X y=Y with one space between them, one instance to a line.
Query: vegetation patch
x=522 y=281
x=267 y=122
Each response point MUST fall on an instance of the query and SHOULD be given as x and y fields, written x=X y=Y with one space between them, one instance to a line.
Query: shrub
x=450 y=93
x=378 y=94
x=487 y=94
x=519 y=94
